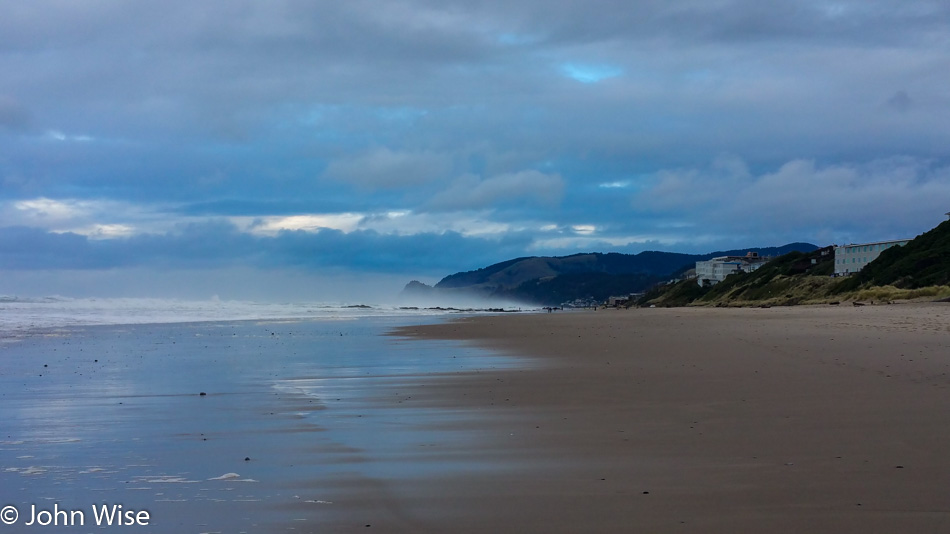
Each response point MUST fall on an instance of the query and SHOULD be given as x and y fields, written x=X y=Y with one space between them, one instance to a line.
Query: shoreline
x=229 y=426
x=656 y=420
x=821 y=419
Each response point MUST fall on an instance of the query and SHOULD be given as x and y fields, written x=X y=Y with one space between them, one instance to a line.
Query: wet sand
x=806 y=419
x=817 y=419
x=249 y=426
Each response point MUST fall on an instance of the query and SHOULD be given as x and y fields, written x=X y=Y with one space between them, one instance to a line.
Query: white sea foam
x=226 y=476
x=233 y=477
x=92 y=470
x=31 y=470
x=18 y=315
x=165 y=479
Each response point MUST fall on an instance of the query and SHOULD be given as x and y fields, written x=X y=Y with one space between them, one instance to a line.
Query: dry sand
x=806 y=419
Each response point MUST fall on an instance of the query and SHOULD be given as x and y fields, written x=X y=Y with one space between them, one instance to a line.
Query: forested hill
x=924 y=261
x=918 y=270
x=552 y=280
x=514 y=272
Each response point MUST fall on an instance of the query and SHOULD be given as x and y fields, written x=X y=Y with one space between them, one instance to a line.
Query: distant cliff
x=553 y=280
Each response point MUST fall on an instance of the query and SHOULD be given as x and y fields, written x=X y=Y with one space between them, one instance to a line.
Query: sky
x=324 y=148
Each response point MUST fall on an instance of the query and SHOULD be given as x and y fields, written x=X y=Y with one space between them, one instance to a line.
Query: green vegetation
x=553 y=280
x=923 y=262
x=779 y=281
x=918 y=270
x=891 y=293
x=681 y=293
x=795 y=278
x=555 y=290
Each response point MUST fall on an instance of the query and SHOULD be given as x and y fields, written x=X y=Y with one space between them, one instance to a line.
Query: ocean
x=19 y=314
x=221 y=416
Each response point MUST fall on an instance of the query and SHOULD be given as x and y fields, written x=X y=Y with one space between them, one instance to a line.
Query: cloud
x=590 y=73
x=385 y=168
x=881 y=199
x=467 y=224
x=57 y=135
x=900 y=101
x=619 y=184
x=100 y=219
x=227 y=131
x=398 y=223
x=218 y=245
x=584 y=229
x=13 y=115
x=272 y=225
x=472 y=192
x=95 y=218
x=31 y=248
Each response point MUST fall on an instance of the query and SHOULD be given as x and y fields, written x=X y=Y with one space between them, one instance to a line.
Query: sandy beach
x=226 y=426
x=805 y=419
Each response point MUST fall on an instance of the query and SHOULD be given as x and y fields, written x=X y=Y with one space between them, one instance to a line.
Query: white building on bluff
x=852 y=258
x=713 y=271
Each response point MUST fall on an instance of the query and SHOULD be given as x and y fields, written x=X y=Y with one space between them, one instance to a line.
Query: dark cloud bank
x=491 y=129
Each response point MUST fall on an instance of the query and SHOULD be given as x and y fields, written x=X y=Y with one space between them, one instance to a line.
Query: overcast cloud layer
x=418 y=138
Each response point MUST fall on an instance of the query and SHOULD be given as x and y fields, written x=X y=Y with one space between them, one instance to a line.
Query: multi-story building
x=713 y=271
x=852 y=258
